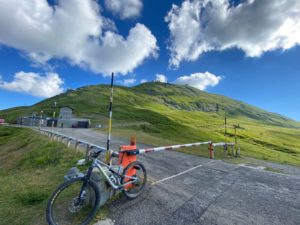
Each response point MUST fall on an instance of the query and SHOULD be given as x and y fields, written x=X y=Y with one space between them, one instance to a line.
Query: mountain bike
x=75 y=202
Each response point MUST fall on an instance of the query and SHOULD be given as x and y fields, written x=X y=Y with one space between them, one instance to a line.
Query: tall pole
x=53 y=115
x=108 y=151
x=41 y=118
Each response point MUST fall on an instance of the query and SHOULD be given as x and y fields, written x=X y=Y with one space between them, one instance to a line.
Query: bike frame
x=101 y=165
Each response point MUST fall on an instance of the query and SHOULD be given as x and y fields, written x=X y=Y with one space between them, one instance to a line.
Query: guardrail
x=77 y=142
x=89 y=146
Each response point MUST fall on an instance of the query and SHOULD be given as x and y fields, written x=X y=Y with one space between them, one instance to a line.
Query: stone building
x=66 y=119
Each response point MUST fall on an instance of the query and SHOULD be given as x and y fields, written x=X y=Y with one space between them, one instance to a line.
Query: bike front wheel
x=67 y=206
x=134 y=179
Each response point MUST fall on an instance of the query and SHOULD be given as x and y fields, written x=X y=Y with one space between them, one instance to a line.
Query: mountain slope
x=182 y=114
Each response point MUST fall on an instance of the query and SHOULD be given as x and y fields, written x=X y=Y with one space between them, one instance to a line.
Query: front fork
x=84 y=185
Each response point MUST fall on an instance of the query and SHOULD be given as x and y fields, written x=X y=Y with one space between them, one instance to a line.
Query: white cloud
x=143 y=81
x=254 y=26
x=199 y=80
x=128 y=82
x=125 y=8
x=161 y=78
x=73 y=30
x=34 y=84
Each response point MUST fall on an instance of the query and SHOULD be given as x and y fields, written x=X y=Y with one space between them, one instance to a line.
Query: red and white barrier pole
x=157 y=149
x=223 y=144
x=147 y=150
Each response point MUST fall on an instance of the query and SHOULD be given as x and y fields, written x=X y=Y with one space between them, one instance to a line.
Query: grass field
x=31 y=167
x=261 y=142
x=181 y=114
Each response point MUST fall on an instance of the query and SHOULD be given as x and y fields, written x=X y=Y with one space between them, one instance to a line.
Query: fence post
x=225 y=150
x=76 y=145
x=87 y=152
x=69 y=142
x=211 y=151
x=238 y=150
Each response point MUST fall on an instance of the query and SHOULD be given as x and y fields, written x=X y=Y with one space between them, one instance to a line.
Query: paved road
x=205 y=192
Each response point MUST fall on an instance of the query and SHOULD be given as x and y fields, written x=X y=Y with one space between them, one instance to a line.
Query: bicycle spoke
x=69 y=208
x=136 y=174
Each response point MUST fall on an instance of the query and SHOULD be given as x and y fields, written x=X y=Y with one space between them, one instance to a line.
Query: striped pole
x=223 y=144
x=108 y=151
x=147 y=150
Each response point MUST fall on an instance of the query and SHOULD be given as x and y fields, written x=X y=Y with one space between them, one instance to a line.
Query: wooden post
x=211 y=151
x=235 y=138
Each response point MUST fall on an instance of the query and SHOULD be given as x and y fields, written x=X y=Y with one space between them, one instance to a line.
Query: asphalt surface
x=186 y=189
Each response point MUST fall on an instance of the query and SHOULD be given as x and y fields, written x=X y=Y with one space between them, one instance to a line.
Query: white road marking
x=105 y=222
x=176 y=175
x=252 y=167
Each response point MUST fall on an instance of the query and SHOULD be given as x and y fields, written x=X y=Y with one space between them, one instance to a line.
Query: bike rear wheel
x=136 y=173
x=67 y=207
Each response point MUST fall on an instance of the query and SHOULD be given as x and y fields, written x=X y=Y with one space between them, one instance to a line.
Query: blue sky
x=216 y=47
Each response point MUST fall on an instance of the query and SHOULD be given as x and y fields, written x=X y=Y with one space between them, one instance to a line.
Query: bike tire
x=93 y=189
x=132 y=193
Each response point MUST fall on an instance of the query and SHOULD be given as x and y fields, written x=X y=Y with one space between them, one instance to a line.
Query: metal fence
x=71 y=140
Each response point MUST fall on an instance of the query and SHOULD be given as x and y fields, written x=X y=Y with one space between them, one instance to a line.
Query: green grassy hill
x=31 y=167
x=180 y=114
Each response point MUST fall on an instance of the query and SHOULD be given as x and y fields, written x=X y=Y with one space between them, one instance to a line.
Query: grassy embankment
x=31 y=167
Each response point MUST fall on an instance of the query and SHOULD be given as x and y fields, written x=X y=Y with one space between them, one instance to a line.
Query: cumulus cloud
x=254 y=26
x=44 y=86
x=128 y=82
x=143 y=81
x=73 y=30
x=199 y=80
x=125 y=8
x=161 y=78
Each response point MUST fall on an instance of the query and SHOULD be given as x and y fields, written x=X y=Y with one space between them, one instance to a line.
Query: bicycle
x=75 y=202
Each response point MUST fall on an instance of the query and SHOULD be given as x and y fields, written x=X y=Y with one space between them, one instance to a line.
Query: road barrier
x=89 y=146
x=156 y=149
x=77 y=142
